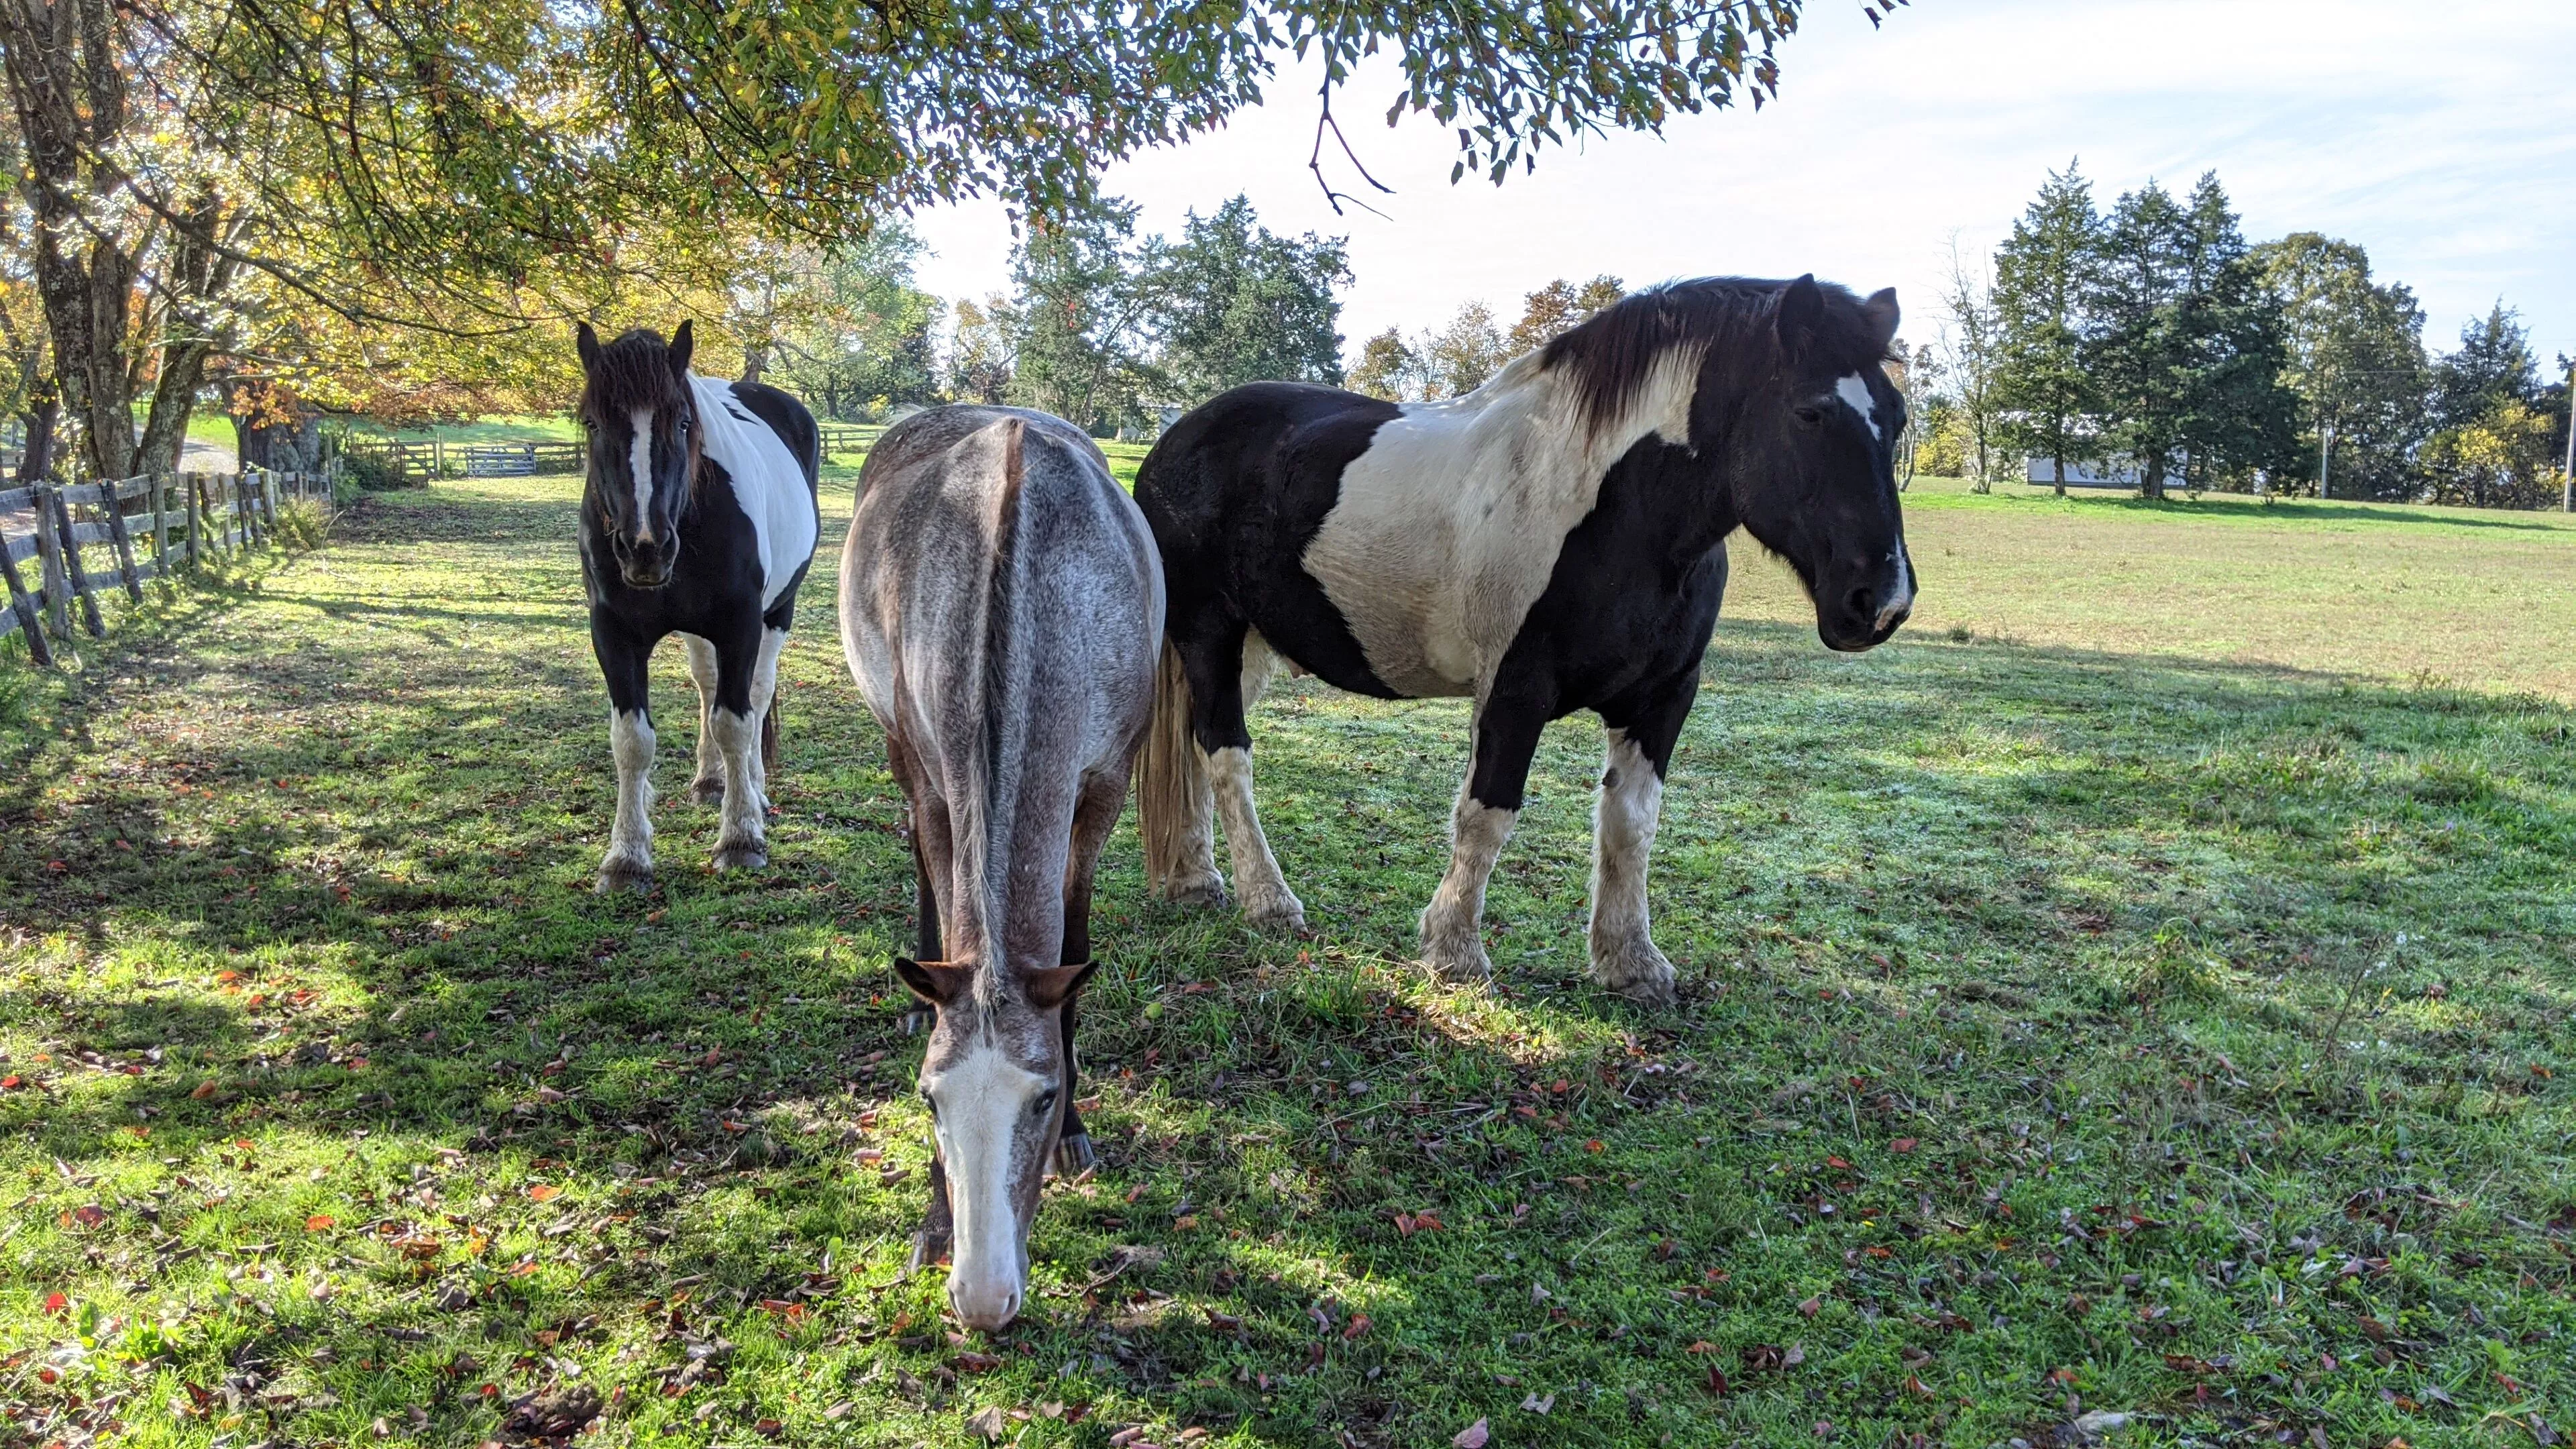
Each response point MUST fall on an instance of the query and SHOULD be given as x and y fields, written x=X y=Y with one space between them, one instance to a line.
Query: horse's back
x=792 y=421
x=980 y=528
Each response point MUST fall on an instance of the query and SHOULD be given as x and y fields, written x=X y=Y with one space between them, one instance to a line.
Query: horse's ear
x=1054 y=987
x=936 y=982
x=1881 y=311
x=683 y=342
x=1802 y=307
x=586 y=342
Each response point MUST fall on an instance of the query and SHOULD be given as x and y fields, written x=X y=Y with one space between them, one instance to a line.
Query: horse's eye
x=1809 y=415
x=1044 y=1104
x=930 y=1102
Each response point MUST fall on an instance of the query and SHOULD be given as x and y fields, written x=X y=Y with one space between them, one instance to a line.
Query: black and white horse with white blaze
x=698 y=518
x=1551 y=542
x=1002 y=611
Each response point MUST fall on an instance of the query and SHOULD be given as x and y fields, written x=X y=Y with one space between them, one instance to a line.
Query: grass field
x=2134 y=1004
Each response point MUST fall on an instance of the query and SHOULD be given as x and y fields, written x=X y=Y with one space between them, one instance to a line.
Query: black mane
x=634 y=372
x=1611 y=354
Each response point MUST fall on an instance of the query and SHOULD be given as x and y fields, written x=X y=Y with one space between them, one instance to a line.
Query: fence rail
x=521 y=457
x=86 y=539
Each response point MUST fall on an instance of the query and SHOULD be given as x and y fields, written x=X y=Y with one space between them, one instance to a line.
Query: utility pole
x=2325 y=459
x=2567 y=474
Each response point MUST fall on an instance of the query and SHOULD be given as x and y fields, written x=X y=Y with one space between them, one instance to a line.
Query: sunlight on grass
x=2082 y=1019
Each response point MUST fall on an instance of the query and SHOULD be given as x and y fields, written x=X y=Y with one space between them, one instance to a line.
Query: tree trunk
x=38 y=459
x=2151 y=476
x=174 y=401
x=2060 y=463
x=755 y=358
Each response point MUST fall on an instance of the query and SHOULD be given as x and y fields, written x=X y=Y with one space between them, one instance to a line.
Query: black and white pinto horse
x=699 y=518
x=1549 y=543
x=1002 y=611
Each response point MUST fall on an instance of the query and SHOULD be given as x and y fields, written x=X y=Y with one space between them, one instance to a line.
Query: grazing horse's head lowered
x=642 y=428
x=995 y=1080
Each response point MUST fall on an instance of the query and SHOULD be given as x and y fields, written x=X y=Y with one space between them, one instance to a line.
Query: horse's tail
x=1174 y=804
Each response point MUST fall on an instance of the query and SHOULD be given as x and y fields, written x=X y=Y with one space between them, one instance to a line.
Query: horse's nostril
x=1864 y=602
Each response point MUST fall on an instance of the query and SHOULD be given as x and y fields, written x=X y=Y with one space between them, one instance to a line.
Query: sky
x=2440 y=137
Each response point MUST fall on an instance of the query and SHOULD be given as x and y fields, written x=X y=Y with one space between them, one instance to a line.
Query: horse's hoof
x=927 y=1248
x=1201 y=890
x=1274 y=911
x=1635 y=970
x=1073 y=1155
x=618 y=876
x=708 y=790
x=741 y=857
x=1460 y=963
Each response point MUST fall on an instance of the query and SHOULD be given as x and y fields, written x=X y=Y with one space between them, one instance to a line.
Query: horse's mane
x=1611 y=354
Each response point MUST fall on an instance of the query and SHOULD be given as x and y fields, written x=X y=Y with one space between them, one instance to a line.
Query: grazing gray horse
x=1002 y=609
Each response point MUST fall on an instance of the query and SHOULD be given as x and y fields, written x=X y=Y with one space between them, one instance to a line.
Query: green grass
x=2078 y=1018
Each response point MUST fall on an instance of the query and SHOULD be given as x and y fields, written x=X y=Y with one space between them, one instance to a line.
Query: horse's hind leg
x=623 y=661
x=707 y=786
x=1227 y=673
x=1094 y=815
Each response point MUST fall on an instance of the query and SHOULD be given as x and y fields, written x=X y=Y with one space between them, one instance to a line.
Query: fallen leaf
x=319 y=1221
x=545 y=1192
x=1536 y=1405
x=1474 y=1436
x=1811 y=1307
x=1902 y=1144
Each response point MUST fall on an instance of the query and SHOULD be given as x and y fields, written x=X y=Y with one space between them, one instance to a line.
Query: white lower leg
x=630 y=839
x=709 y=778
x=1453 y=942
x=1267 y=900
x=742 y=840
x=764 y=688
x=1624 y=957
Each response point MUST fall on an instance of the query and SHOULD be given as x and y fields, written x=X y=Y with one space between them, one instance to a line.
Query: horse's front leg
x=623 y=662
x=747 y=675
x=1489 y=804
x=1095 y=813
x=1639 y=752
x=707 y=786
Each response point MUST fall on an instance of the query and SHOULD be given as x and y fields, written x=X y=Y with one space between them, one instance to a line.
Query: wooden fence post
x=111 y=495
x=30 y=623
x=193 y=485
x=49 y=564
x=69 y=534
x=155 y=487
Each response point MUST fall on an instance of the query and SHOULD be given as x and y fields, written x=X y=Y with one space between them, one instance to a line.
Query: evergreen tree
x=2137 y=350
x=2494 y=365
x=2237 y=416
x=1234 y=304
x=1080 y=307
x=2041 y=381
x=2356 y=361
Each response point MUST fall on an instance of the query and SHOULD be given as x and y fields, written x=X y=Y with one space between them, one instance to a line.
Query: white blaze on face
x=640 y=459
x=1854 y=391
x=983 y=1100
x=1900 y=595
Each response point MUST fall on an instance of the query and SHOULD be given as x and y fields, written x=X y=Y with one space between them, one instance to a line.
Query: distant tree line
x=1105 y=328
x=2154 y=341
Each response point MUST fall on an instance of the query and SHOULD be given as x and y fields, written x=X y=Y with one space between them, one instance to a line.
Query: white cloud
x=2441 y=138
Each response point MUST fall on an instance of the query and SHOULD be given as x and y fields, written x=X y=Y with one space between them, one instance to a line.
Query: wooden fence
x=438 y=458
x=85 y=539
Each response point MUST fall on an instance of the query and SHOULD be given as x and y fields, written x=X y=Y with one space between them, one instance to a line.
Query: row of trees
x=2153 y=339
x=1103 y=327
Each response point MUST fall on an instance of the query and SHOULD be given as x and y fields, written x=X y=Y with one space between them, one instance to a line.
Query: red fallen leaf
x=1902 y=1144
x=775 y=1305
x=1474 y=1436
x=2061 y=1375
x=1592 y=1146
x=1914 y=1385
x=56 y=1303
x=1811 y=1307
x=1701 y=1346
x=545 y=1192
x=10 y=1083
x=1358 y=1325
x=319 y=1221
x=967 y=1361
x=1836 y=1162
x=1715 y=1382
x=204 y=1090
x=89 y=1214
x=1715 y=1275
